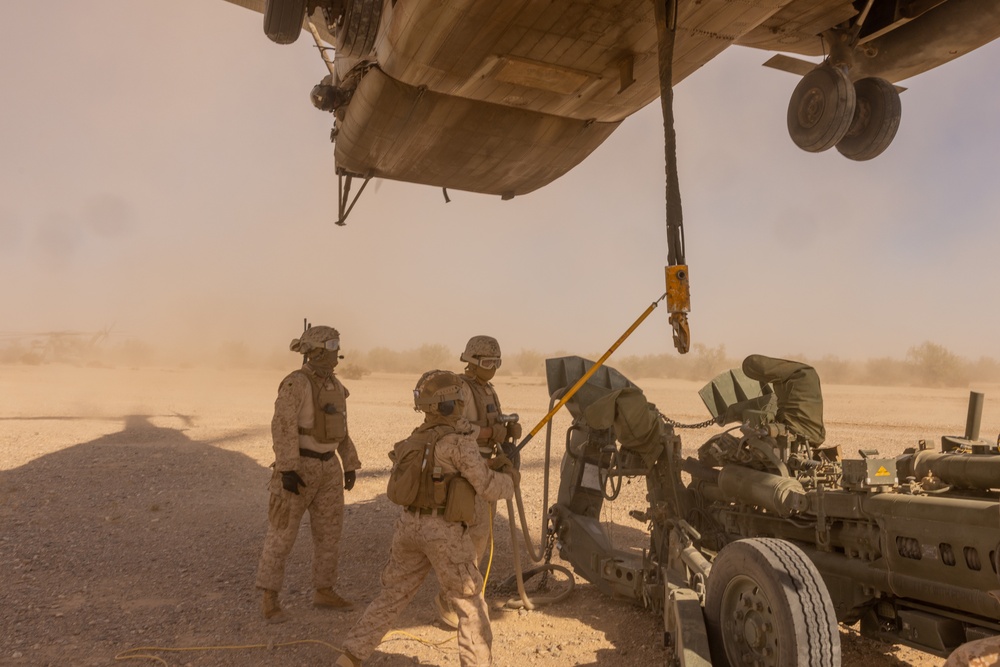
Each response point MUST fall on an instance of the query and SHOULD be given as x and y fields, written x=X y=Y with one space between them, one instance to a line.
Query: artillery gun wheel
x=283 y=20
x=766 y=604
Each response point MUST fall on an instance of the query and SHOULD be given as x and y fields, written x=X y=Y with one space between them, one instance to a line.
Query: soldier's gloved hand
x=514 y=431
x=500 y=462
x=515 y=475
x=290 y=481
x=349 y=478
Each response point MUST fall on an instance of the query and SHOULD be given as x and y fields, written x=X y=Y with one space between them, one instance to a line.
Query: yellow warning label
x=881 y=472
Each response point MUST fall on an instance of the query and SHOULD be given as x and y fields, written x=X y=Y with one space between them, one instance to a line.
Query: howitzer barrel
x=781 y=495
x=975 y=416
x=915 y=587
x=970 y=471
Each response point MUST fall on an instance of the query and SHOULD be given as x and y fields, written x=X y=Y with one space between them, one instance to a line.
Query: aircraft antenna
x=322 y=48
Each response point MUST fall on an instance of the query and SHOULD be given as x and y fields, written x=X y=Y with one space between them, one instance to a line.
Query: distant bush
x=702 y=363
x=927 y=364
x=935 y=366
x=985 y=369
x=353 y=371
x=526 y=362
x=417 y=360
x=835 y=370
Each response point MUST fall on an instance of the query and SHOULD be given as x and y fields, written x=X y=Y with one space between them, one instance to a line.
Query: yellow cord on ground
x=123 y=655
x=415 y=638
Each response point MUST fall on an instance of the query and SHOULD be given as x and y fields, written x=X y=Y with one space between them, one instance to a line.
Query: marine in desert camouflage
x=314 y=462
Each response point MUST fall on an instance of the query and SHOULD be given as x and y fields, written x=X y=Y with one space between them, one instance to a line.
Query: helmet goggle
x=333 y=344
x=489 y=363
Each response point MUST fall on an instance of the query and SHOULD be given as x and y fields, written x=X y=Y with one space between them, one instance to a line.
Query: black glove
x=290 y=481
x=514 y=431
x=349 y=478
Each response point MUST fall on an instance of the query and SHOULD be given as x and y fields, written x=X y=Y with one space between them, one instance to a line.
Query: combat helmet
x=482 y=351
x=437 y=392
x=315 y=338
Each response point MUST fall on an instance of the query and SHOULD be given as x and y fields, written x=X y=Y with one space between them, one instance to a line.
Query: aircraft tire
x=876 y=120
x=357 y=33
x=283 y=20
x=766 y=604
x=821 y=109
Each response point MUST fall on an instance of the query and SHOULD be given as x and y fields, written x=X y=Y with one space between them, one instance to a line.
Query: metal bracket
x=344 y=179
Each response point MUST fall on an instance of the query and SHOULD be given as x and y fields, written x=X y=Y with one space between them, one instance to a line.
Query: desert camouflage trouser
x=422 y=542
x=479 y=529
x=323 y=498
x=979 y=653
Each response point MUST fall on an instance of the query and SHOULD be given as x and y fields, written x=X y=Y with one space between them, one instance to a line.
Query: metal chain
x=550 y=542
x=671 y=422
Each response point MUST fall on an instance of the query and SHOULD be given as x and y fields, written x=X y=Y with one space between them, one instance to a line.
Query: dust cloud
x=181 y=198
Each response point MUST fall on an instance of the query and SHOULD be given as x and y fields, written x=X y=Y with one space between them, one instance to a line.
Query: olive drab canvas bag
x=414 y=480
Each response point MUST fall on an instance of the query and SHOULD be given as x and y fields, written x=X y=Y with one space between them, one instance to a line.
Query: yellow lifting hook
x=679 y=305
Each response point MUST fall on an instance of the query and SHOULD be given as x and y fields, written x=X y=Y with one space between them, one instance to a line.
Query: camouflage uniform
x=482 y=409
x=323 y=493
x=423 y=541
x=979 y=653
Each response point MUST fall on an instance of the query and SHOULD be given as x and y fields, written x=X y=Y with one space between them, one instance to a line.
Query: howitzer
x=764 y=542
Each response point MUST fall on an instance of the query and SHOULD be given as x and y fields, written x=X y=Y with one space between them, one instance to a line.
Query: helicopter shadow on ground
x=145 y=537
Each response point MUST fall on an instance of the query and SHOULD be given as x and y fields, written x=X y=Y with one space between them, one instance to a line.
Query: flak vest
x=487 y=407
x=329 y=409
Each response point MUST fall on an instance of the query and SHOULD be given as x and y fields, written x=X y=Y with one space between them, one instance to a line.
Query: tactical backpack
x=415 y=482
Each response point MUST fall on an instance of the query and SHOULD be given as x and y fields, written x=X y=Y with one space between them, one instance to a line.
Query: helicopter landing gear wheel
x=876 y=119
x=821 y=109
x=283 y=20
x=767 y=605
x=359 y=27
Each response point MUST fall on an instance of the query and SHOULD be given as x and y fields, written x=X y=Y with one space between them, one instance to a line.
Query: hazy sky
x=164 y=172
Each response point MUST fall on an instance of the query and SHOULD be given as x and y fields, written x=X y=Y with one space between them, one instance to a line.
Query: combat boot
x=326 y=597
x=347 y=660
x=270 y=608
x=445 y=612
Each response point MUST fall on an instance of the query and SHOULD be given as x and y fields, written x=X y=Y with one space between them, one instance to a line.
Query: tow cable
x=678 y=287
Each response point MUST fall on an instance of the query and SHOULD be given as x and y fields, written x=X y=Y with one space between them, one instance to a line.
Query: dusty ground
x=132 y=511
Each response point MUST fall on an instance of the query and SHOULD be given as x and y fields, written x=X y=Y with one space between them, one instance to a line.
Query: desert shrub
x=353 y=371
x=886 y=371
x=984 y=369
x=702 y=363
x=708 y=362
x=417 y=360
x=835 y=370
x=432 y=356
x=935 y=366
x=527 y=362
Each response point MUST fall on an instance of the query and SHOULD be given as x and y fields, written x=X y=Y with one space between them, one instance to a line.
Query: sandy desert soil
x=132 y=511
